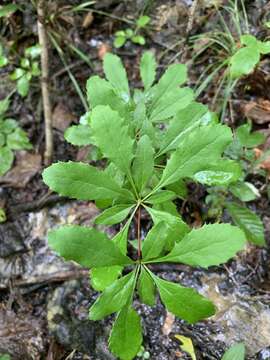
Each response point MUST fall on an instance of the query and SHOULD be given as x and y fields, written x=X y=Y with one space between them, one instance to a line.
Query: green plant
x=12 y=137
x=5 y=357
x=3 y=216
x=236 y=352
x=234 y=196
x=122 y=36
x=3 y=58
x=151 y=141
x=235 y=53
x=29 y=67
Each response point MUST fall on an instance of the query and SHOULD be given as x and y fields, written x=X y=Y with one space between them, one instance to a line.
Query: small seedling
x=151 y=140
x=122 y=36
x=29 y=67
x=12 y=137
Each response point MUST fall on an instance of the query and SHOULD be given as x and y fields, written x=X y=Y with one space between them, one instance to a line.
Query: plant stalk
x=139 y=233
x=43 y=41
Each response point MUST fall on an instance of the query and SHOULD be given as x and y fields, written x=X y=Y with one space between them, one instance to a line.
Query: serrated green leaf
x=116 y=75
x=170 y=103
x=264 y=47
x=245 y=191
x=244 y=61
x=179 y=188
x=82 y=182
x=6 y=159
x=18 y=140
x=114 y=215
x=107 y=126
x=155 y=241
x=148 y=69
x=184 y=302
x=161 y=196
x=248 y=221
x=126 y=335
x=177 y=227
x=113 y=298
x=143 y=165
x=146 y=288
x=236 y=352
x=79 y=135
x=208 y=246
x=174 y=76
x=204 y=145
x=103 y=277
x=87 y=246
x=100 y=92
x=120 y=239
x=184 y=121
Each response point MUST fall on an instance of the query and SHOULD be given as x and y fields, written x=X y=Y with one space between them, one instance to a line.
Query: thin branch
x=43 y=41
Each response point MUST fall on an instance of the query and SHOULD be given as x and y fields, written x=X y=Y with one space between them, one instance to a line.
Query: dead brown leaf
x=258 y=111
x=27 y=165
x=62 y=117
x=88 y=19
x=168 y=323
x=102 y=50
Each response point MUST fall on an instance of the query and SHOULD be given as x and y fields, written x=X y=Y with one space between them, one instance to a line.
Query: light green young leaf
x=174 y=76
x=116 y=75
x=6 y=159
x=248 y=221
x=87 y=246
x=18 y=140
x=245 y=191
x=126 y=335
x=119 y=41
x=184 y=302
x=23 y=85
x=244 y=61
x=79 y=135
x=138 y=39
x=82 y=182
x=155 y=241
x=170 y=103
x=236 y=352
x=184 y=121
x=143 y=165
x=33 y=51
x=107 y=127
x=264 y=47
x=248 y=40
x=113 y=298
x=148 y=69
x=103 y=277
x=146 y=288
x=208 y=246
x=114 y=215
x=203 y=146
x=143 y=20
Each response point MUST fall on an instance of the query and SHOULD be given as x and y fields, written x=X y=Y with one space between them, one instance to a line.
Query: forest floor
x=43 y=300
